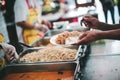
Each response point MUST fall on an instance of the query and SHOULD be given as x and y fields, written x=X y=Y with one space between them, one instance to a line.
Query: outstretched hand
x=88 y=37
x=47 y=23
x=90 y=21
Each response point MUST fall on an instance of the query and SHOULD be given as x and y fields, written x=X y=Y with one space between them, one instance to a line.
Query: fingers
x=11 y=56
x=82 y=39
x=90 y=21
x=87 y=21
x=87 y=16
x=7 y=57
x=16 y=55
x=47 y=23
x=10 y=51
x=43 y=28
x=82 y=36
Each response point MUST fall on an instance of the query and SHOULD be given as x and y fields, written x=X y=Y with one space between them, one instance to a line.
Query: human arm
x=21 y=16
x=10 y=51
x=91 y=36
x=94 y=23
x=43 y=26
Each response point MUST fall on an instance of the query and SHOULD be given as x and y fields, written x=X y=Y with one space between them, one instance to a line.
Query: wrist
x=103 y=26
x=104 y=35
x=100 y=35
x=99 y=25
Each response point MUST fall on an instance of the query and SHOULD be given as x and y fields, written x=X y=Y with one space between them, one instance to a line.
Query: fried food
x=67 y=37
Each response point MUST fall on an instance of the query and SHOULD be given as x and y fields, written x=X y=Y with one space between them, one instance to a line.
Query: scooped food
x=68 y=37
x=50 y=54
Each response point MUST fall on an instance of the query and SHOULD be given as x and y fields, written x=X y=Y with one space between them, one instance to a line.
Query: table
x=103 y=62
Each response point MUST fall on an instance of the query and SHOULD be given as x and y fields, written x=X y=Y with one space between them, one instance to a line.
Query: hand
x=47 y=23
x=88 y=37
x=90 y=21
x=42 y=28
x=10 y=51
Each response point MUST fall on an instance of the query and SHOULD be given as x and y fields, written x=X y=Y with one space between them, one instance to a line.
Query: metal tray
x=38 y=48
x=42 y=42
x=23 y=68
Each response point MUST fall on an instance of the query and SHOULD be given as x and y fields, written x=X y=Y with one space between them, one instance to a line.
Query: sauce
x=63 y=75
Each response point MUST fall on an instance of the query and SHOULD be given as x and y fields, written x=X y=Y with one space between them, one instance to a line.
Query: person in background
x=7 y=51
x=30 y=27
x=7 y=54
x=8 y=14
x=118 y=5
x=108 y=5
x=106 y=31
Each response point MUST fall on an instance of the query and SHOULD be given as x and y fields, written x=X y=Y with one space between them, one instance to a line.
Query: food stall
x=51 y=58
x=46 y=58
x=29 y=66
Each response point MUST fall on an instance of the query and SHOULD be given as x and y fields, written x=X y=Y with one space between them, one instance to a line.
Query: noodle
x=50 y=54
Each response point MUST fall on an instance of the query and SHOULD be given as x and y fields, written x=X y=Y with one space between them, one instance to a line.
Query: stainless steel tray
x=38 y=48
x=42 y=42
x=22 y=68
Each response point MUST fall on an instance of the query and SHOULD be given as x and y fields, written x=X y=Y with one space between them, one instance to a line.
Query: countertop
x=103 y=63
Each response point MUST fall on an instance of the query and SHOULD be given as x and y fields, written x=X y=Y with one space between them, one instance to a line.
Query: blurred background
x=55 y=11
x=69 y=13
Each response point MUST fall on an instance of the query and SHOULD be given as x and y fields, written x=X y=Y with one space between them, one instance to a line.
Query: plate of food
x=65 y=38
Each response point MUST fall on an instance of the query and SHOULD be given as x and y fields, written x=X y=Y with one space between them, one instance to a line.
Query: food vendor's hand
x=47 y=23
x=88 y=37
x=42 y=28
x=90 y=21
x=10 y=51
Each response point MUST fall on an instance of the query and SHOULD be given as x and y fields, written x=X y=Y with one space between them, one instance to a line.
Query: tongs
x=23 y=47
x=81 y=23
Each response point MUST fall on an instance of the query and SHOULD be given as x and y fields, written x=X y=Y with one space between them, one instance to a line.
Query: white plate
x=53 y=38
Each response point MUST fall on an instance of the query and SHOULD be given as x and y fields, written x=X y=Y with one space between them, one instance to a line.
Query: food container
x=42 y=42
x=25 y=71
x=36 y=49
